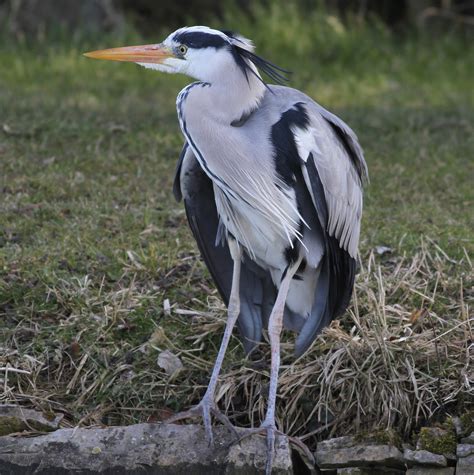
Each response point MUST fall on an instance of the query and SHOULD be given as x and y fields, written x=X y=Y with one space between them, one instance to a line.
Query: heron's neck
x=227 y=103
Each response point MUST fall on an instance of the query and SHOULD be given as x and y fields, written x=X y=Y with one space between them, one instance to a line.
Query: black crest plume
x=241 y=54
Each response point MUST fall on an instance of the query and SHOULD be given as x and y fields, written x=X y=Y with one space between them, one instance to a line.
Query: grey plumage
x=272 y=186
x=282 y=181
x=334 y=170
x=195 y=187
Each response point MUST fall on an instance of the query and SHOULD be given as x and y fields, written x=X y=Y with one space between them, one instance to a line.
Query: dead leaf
x=169 y=362
x=416 y=316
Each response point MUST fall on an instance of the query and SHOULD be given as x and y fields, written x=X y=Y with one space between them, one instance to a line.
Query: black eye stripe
x=200 y=39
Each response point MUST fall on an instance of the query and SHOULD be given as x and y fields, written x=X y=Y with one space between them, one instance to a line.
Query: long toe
x=179 y=416
x=224 y=420
x=204 y=410
x=270 y=431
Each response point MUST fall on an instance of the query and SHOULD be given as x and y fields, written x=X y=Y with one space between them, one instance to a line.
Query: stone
x=464 y=450
x=469 y=439
x=370 y=471
x=423 y=457
x=143 y=449
x=465 y=465
x=348 y=452
x=15 y=418
x=430 y=471
x=337 y=443
x=237 y=461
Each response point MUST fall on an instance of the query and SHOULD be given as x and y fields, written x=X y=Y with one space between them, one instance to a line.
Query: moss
x=385 y=437
x=10 y=425
x=439 y=440
x=467 y=421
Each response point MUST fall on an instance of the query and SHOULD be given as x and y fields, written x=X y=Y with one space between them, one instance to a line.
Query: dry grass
x=402 y=355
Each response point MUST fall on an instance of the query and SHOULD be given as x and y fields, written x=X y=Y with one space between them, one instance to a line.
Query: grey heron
x=272 y=186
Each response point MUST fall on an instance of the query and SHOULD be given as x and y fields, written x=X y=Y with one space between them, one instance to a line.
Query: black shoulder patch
x=287 y=160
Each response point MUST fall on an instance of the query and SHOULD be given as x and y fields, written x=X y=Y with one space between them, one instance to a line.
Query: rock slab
x=369 y=471
x=469 y=439
x=431 y=471
x=158 y=449
x=423 y=457
x=347 y=452
x=465 y=465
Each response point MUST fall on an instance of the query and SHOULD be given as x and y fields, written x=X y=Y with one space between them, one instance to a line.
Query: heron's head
x=199 y=52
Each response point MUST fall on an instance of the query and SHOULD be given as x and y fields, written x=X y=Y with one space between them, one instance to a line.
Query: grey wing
x=195 y=187
x=331 y=147
x=334 y=171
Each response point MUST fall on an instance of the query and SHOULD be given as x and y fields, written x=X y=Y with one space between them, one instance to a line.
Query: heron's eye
x=182 y=49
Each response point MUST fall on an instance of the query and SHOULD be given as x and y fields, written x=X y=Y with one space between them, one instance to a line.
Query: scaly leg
x=275 y=325
x=208 y=404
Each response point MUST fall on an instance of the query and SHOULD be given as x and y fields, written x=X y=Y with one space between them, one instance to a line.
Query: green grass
x=92 y=242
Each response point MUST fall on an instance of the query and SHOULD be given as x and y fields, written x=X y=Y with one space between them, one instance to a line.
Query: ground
x=99 y=274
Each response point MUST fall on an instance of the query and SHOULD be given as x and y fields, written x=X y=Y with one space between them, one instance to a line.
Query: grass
x=93 y=247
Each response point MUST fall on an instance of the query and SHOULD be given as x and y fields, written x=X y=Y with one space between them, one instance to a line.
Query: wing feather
x=197 y=191
x=341 y=167
x=334 y=171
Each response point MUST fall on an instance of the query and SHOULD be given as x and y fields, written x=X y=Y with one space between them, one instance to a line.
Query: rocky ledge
x=138 y=449
x=172 y=449
x=355 y=456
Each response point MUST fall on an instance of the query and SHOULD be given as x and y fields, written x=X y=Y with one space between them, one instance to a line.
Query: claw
x=224 y=420
x=204 y=409
x=271 y=430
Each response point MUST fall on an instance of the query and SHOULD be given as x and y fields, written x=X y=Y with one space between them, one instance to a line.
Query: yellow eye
x=183 y=49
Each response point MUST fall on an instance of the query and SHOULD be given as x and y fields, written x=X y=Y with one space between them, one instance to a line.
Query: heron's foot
x=270 y=430
x=205 y=409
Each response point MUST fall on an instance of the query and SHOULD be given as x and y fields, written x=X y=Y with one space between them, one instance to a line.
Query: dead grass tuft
x=401 y=356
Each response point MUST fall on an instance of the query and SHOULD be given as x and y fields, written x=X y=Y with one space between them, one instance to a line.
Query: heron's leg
x=207 y=404
x=275 y=325
x=233 y=311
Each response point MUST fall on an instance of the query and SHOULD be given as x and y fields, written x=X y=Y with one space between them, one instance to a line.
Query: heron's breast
x=264 y=239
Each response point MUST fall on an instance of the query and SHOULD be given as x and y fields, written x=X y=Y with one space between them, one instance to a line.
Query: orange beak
x=136 y=54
